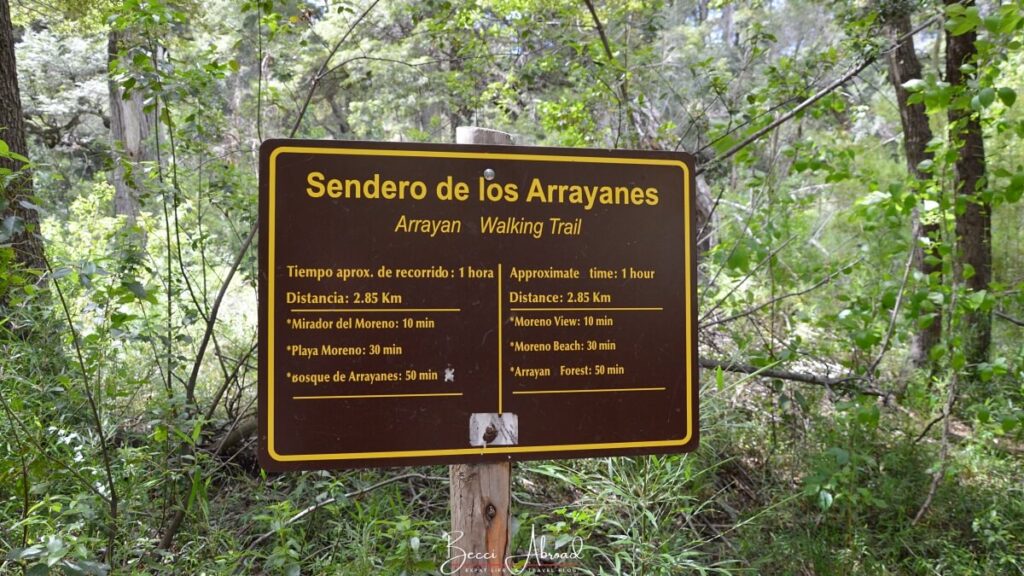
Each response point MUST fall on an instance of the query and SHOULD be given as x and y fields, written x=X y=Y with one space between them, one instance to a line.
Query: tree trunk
x=974 y=224
x=904 y=66
x=130 y=128
x=727 y=24
x=27 y=245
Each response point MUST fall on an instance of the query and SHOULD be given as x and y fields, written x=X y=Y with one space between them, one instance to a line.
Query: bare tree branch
x=1008 y=318
x=623 y=96
x=313 y=508
x=940 y=470
x=322 y=71
x=215 y=309
x=746 y=277
x=778 y=299
x=894 y=316
x=951 y=393
x=94 y=410
x=832 y=87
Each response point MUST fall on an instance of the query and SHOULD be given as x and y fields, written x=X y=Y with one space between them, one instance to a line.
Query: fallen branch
x=844 y=382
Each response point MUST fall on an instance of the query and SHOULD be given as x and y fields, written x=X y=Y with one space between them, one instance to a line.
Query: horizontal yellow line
x=652 y=309
x=588 y=390
x=354 y=396
x=376 y=309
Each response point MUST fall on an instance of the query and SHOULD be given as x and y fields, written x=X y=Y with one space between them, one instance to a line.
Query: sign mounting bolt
x=489 y=174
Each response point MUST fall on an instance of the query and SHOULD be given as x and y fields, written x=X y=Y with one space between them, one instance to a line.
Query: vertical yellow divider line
x=501 y=341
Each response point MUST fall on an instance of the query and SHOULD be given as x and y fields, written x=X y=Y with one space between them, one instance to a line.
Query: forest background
x=861 y=298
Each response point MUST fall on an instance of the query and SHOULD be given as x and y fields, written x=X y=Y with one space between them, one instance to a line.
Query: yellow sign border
x=271 y=216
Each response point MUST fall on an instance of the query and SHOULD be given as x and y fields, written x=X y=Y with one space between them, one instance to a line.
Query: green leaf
x=135 y=288
x=60 y=273
x=740 y=257
x=985 y=371
x=1010 y=22
x=842 y=456
x=865 y=339
x=937 y=352
x=165 y=117
x=869 y=416
x=993 y=22
x=55 y=550
x=719 y=378
x=1007 y=96
x=889 y=300
x=987 y=96
x=825 y=499
x=30 y=553
x=984 y=415
x=925 y=320
x=1016 y=188
x=30 y=206
x=914 y=85
x=975 y=300
x=965 y=23
x=1008 y=423
x=875 y=197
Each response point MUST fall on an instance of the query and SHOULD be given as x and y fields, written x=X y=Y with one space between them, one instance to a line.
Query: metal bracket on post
x=492 y=429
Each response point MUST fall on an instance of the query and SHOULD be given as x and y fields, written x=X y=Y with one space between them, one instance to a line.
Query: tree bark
x=904 y=66
x=27 y=245
x=130 y=128
x=974 y=224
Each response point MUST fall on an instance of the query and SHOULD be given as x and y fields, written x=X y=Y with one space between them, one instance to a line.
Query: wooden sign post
x=474 y=304
x=481 y=493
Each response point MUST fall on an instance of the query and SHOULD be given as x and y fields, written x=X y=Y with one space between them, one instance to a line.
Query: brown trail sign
x=453 y=304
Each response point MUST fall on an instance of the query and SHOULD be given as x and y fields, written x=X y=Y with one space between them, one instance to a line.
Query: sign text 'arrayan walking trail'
x=431 y=303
